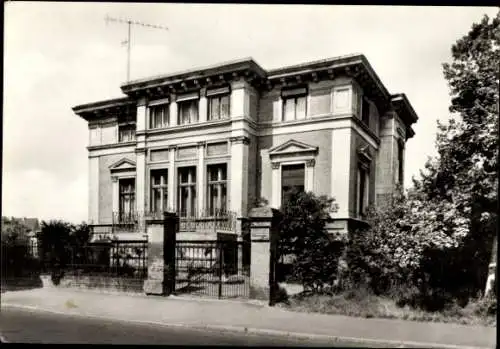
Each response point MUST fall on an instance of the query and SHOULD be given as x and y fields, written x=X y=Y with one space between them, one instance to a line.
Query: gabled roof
x=292 y=146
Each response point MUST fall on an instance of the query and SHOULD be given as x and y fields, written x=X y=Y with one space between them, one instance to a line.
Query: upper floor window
x=126 y=133
x=362 y=190
x=218 y=107
x=158 y=116
x=365 y=112
x=188 y=111
x=400 y=162
x=294 y=104
x=218 y=103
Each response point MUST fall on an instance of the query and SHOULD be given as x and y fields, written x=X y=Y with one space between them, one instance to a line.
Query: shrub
x=303 y=235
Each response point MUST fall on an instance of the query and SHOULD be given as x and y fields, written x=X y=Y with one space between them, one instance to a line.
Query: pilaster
x=275 y=185
x=239 y=175
x=116 y=193
x=93 y=190
x=309 y=175
x=200 y=178
x=172 y=185
x=203 y=107
x=142 y=122
x=341 y=170
x=140 y=182
x=172 y=111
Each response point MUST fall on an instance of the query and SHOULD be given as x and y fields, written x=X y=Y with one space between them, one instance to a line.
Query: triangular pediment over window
x=293 y=147
x=122 y=165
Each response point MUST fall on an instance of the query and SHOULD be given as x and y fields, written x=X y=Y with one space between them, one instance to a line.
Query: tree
x=464 y=176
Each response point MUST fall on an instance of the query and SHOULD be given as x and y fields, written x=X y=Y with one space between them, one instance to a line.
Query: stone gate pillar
x=161 y=257
x=263 y=233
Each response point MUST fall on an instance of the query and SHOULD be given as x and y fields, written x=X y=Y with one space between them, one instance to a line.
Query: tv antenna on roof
x=130 y=22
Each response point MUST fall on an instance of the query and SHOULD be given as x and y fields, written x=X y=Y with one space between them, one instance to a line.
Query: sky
x=58 y=55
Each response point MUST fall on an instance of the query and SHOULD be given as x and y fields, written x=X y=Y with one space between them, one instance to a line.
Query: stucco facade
x=224 y=136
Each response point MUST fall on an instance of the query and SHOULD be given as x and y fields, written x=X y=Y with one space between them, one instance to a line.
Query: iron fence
x=212 y=268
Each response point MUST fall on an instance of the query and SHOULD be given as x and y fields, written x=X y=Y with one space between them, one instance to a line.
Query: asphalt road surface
x=27 y=326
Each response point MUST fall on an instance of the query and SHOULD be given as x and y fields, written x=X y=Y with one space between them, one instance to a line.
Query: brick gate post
x=264 y=233
x=161 y=257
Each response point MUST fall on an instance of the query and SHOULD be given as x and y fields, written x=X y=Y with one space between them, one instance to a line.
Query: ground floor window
x=159 y=190
x=127 y=199
x=292 y=180
x=217 y=189
x=187 y=191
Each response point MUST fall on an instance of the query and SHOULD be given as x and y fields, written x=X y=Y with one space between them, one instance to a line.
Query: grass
x=361 y=303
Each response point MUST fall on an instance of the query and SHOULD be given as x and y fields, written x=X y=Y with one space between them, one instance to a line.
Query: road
x=27 y=326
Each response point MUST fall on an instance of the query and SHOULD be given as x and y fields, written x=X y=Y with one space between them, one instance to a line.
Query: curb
x=257 y=331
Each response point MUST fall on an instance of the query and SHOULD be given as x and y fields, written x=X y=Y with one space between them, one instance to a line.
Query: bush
x=303 y=235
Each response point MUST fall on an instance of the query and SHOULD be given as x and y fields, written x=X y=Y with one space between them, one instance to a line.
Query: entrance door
x=292 y=180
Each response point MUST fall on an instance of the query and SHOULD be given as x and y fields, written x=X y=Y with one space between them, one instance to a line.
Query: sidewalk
x=251 y=318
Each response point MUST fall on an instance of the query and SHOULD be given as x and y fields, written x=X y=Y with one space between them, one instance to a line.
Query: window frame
x=294 y=94
x=218 y=97
x=183 y=103
x=192 y=188
x=162 y=188
x=365 y=111
x=219 y=183
x=165 y=107
x=129 y=129
x=131 y=195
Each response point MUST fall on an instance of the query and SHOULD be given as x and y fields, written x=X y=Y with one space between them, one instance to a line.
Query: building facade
x=217 y=139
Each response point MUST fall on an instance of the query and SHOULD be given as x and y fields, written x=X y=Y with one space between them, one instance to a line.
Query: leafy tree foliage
x=304 y=237
x=436 y=240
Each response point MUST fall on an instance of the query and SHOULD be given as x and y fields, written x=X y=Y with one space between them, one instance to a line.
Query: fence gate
x=210 y=268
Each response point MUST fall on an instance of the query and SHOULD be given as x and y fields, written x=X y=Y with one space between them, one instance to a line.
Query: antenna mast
x=129 y=23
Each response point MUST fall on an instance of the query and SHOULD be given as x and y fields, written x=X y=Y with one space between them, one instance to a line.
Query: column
x=116 y=194
x=93 y=190
x=309 y=174
x=202 y=110
x=200 y=179
x=239 y=175
x=172 y=185
x=140 y=181
x=275 y=185
x=172 y=111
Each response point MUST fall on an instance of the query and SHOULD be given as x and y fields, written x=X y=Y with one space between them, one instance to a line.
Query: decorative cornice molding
x=140 y=150
x=202 y=143
x=311 y=163
x=240 y=139
x=112 y=145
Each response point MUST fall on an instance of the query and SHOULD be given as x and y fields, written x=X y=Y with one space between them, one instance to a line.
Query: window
x=126 y=133
x=188 y=112
x=127 y=199
x=159 y=190
x=365 y=112
x=362 y=190
x=217 y=189
x=292 y=181
x=294 y=108
x=400 y=162
x=158 y=116
x=218 y=107
x=187 y=191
